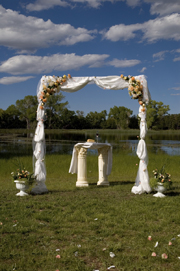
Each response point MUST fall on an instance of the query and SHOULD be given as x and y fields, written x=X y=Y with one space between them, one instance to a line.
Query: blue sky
x=90 y=38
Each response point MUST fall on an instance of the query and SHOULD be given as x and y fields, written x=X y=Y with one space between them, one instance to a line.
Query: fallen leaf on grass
x=110 y=267
x=58 y=256
x=76 y=254
x=111 y=254
x=104 y=249
x=164 y=256
x=156 y=244
x=170 y=244
x=149 y=238
x=153 y=254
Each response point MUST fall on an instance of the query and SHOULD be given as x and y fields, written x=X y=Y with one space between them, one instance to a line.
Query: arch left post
x=39 y=146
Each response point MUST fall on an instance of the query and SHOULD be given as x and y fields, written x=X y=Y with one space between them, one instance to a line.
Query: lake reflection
x=63 y=142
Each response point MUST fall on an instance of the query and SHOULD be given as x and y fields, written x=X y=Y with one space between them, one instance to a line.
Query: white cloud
x=163 y=7
x=176 y=59
x=27 y=64
x=124 y=63
x=27 y=34
x=39 y=5
x=160 y=55
x=176 y=94
x=167 y=28
x=133 y=3
x=121 y=32
x=143 y=69
x=46 y=4
x=14 y=79
x=176 y=88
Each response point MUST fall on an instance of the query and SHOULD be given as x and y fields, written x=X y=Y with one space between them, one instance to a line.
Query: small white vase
x=160 y=189
x=21 y=185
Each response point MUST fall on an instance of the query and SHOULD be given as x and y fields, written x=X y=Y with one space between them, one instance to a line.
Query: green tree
x=81 y=120
x=121 y=116
x=54 y=108
x=27 y=108
x=9 y=118
x=96 y=120
x=133 y=123
x=155 y=113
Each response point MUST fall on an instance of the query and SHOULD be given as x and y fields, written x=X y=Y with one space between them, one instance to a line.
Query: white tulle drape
x=142 y=178
x=71 y=85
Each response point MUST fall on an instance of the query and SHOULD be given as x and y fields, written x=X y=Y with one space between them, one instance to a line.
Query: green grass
x=99 y=219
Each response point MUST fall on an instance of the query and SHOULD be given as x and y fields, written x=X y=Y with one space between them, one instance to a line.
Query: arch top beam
x=73 y=84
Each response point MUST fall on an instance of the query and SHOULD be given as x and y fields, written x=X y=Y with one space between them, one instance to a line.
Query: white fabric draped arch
x=72 y=85
x=142 y=179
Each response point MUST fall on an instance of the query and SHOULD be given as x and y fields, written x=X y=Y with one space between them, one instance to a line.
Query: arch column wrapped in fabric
x=142 y=178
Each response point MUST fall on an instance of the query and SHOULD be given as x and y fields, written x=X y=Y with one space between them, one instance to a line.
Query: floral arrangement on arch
x=161 y=177
x=52 y=87
x=135 y=87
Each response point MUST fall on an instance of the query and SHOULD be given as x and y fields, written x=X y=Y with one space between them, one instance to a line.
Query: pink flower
x=164 y=256
x=170 y=243
x=149 y=238
x=58 y=256
x=153 y=254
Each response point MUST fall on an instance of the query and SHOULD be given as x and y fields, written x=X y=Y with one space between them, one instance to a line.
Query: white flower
x=51 y=84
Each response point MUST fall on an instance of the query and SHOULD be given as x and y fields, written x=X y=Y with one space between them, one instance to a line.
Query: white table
x=79 y=162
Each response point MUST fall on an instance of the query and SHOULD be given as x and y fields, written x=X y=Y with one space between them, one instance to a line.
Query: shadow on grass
x=172 y=194
x=112 y=183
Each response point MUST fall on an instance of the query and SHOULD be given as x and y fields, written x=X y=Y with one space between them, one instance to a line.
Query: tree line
x=23 y=115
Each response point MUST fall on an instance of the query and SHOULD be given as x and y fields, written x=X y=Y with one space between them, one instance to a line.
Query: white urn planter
x=21 y=185
x=160 y=190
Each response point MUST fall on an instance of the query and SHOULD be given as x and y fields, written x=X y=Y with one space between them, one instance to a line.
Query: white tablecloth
x=94 y=146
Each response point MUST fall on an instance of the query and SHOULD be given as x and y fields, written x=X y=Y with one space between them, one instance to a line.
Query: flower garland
x=52 y=87
x=135 y=87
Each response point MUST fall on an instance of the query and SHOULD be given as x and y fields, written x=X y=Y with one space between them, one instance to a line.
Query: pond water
x=63 y=142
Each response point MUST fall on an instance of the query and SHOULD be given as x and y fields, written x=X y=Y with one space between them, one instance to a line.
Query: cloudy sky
x=90 y=38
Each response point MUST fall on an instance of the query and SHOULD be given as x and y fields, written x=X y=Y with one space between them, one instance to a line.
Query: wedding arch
x=49 y=85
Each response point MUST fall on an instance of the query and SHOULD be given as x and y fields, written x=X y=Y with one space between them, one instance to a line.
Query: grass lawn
x=76 y=228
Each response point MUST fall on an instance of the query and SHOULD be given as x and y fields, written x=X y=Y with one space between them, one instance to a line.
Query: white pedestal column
x=82 y=168
x=102 y=166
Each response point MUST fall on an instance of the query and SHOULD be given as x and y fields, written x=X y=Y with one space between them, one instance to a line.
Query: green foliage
x=96 y=120
x=121 y=115
x=55 y=108
x=155 y=113
x=160 y=176
x=21 y=172
x=27 y=108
